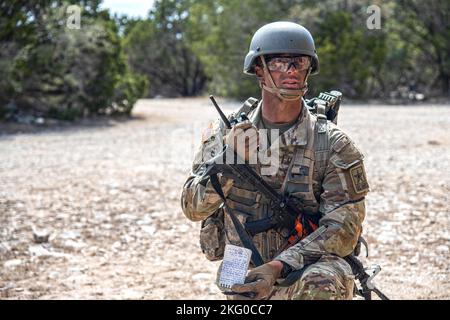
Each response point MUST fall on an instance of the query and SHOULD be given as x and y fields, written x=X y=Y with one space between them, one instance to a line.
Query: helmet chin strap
x=285 y=94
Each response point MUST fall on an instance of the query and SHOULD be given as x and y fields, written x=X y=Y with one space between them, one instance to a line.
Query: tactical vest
x=303 y=169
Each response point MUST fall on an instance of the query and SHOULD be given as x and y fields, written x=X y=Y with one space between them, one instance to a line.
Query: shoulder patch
x=359 y=179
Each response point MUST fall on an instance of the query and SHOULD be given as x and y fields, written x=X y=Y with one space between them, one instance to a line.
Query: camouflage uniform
x=318 y=165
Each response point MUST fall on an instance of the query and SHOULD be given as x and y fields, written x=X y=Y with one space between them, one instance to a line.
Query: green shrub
x=69 y=73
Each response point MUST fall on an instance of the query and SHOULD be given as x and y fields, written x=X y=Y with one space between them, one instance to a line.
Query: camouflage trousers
x=330 y=278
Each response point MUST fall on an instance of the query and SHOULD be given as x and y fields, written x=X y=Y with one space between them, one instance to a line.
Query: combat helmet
x=282 y=37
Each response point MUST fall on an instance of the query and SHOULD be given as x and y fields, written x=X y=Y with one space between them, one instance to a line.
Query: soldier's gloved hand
x=259 y=281
x=237 y=138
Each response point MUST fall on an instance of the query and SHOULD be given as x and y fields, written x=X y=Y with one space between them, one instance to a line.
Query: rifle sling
x=247 y=242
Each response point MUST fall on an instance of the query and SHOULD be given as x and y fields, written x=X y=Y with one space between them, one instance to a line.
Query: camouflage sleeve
x=342 y=203
x=198 y=198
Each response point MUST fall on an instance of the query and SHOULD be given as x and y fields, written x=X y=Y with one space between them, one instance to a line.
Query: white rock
x=4 y=248
x=145 y=220
x=8 y=286
x=442 y=248
x=100 y=216
x=70 y=244
x=414 y=260
x=116 y=245
x=132 y=294
x=113 y=192
x=201 y=276
x=11 y=264
x=38 y=251
x=148 y=229
x=183 y=228
x=69 y=235
x=126 y=239
x=53 y=275
x=126 y=216
x=77 y=269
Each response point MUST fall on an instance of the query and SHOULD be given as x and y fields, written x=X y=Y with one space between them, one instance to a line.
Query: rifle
x=365 y=280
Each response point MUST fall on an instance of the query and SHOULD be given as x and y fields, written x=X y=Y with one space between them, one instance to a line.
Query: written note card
x=235 y=265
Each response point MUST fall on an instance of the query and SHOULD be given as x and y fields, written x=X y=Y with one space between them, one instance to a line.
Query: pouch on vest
x=212 y=236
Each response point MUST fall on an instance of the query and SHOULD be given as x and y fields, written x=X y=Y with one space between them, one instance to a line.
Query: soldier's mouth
x=290 y=84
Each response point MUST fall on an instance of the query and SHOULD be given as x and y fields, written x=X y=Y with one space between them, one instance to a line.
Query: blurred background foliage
x=193 y=47
x=50 y=70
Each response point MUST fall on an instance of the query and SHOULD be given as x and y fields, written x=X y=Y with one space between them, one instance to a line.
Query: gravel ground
x=92 y=211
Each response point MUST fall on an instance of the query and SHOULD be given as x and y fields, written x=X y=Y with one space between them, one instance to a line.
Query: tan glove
x=259 y=281
x=237 y=137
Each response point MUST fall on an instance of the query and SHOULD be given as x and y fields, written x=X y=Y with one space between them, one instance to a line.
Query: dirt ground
x=107 y=194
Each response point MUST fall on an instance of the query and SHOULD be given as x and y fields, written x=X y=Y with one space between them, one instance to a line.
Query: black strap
x=247 y=242
x=292 y=277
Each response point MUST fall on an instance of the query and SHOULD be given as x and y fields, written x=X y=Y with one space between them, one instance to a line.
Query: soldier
x=319 y=166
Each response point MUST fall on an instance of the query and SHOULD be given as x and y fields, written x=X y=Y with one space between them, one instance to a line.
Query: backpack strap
x=321 y=138
x=321 y=115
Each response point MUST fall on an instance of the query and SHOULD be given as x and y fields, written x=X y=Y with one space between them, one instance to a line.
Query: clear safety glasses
x=283 y=64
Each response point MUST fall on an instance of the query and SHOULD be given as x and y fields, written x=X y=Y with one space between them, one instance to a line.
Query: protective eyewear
x=283 y=64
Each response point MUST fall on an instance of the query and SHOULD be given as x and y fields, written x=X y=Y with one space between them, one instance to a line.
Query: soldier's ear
x=259 y=73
